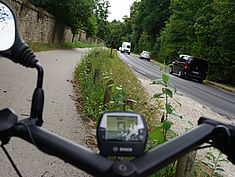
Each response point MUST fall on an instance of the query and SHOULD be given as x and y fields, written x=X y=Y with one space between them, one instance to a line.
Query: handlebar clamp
x=224 y=139
x=123 y=168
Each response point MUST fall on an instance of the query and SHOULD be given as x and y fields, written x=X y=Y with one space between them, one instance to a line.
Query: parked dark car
x=186 y=66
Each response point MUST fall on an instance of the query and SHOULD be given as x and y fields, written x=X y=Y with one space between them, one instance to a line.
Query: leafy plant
x=167 y=93
x=211 y=166
x=118 y=97
x=214 y=161
x=162 y=132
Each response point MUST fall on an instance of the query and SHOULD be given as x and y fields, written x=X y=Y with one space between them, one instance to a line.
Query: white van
x=126 y=47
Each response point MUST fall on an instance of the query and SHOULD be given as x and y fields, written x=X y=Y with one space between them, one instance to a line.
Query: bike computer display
x=121 y=134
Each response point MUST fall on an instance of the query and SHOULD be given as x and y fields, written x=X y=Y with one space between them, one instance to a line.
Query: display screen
x=121 y=133
x=122 y=128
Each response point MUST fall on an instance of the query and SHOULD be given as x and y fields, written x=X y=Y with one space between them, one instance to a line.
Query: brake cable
x=10 y=159
x=8 y=155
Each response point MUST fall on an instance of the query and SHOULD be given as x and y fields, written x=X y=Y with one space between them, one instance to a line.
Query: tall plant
x=166 y=95
x=163 y=131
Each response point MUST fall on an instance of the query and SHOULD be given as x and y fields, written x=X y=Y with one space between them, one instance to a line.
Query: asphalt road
x=60 y=114
x=219 y=100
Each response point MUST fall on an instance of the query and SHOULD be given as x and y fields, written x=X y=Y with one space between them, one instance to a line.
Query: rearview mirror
x=7 y=28
x=11 y=44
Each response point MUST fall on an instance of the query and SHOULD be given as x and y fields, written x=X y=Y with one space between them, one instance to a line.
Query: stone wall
x=36 y=25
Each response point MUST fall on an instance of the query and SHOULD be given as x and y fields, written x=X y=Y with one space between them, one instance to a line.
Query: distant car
x=186 y=66
x=145 y=55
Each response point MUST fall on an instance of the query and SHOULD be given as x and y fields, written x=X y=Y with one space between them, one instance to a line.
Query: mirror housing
x=13 y=47
x=11 y=44
x=7 y=28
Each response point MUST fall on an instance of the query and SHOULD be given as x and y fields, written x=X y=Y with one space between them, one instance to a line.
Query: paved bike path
x=60 y=115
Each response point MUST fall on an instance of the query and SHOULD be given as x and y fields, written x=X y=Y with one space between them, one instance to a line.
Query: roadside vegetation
x=105 y=83
x=82 y=44
x=37 y=47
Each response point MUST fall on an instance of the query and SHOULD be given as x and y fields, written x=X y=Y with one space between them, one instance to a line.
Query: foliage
x=167 y=93
x=82 y=44
x=162 y=132
x=73 y=13
x=136 y=18
x=101 y=14
x=203 y=28
x=214 y=162
x=125 y=85
x=212 y=165
x=115 y=33
x=155 y=14
x=143 y=42
x=207 y=33
x=90 y=26
x=216 y=39
x=37 y=47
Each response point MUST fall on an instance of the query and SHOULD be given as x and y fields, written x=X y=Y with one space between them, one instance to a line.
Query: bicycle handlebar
x=98 y=165
x=66 y=150
x=220 y=135
x=171 y=150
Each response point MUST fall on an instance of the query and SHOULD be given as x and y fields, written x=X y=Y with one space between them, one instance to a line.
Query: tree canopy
x=89 y=15
x=101 y=14
x=75 y=14
x=203 y=28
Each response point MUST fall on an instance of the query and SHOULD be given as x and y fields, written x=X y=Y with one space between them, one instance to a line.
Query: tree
x=101 y=14
x=178 y=35
x=115 y=32
x=147 y=20
x=216 y=39
x=136 y=21
x=91 y=25
x=155 y=13
x=75 y=14
x=204 y=29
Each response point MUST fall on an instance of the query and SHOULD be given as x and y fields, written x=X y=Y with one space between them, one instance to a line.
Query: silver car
x=145 y=55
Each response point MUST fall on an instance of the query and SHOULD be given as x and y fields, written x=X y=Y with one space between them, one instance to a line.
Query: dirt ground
x=190 y=110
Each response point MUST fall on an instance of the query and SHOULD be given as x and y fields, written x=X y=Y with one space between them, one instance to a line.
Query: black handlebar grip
x=22 y=54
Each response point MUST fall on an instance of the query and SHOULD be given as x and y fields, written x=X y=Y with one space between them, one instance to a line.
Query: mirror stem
x=38 y=97
x=39 y=68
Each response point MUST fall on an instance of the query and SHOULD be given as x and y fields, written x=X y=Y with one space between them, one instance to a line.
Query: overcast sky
x=119 y=8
